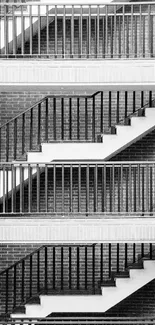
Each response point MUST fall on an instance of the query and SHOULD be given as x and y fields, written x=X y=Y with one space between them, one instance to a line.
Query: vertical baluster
x=89 y=33
x=138 y=188
x=23 y=134
x=120 y=37
x=54 y=268
x=56 y=33
x=30 y=282
x=6 y=30
x=87 y=188
x=123 y=27
x=126 y=104
x=98 y=32
x=127 y=191
x=134 y=253
x=147 y=187
x=54 y=188
x=117 y=118
x=21 y=188
x=22 y=31
x=93 y=271
x=105 y=189
x=109 y=109
x=115 y=31
x=119 y=188
x=15 y=139
x=54 y=118
x=126 y=255
x=109 y=260
x=78 y=118
x=47 y=29
x=127 y=36
x=111 y=36
x=151 y=198
x=46 y=121
x=38 y=271
x=142 y=250
x=62 y=118
x=14 y=287
x=31 y=129
x=14 y=32
x=93 y=120
x=0 y=144
x=103 y=36
x=86 y=119
x=79 y=188
x=64 y=33
x=81 y=31
x=71 y=188
x=46 y=265
x=134 y=101
x=70 y=118
x=135 y=40
x=143 y=36
x=6 y=291
x=135 y=189
x=117 y=258
x=132 y=49
x=23 y=282
x=140 y=30
x=95 y=188
x=150 y=251
x=62 y=269
x=7 y=141
x=7 y=190
x=101 y=126
x=78 y=267
x=72 y=33
x=31 y=31
x=70 y=267
x=29 y=188
x=4 y=185
x=143 y=197
x=86 y=257
x=39 y=30
x=150 y=98
x=46 y=188
x=111 y=187
x=39 y=121
x=142 y=98
x=130 y=188
x=12 y=188
x=149 y=30
x=38 y=188
x=106 y=30
x=63 y=183
x=101 y=263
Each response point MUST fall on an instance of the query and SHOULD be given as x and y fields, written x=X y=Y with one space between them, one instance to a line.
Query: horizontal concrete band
x=22 y=230
x=76 y=72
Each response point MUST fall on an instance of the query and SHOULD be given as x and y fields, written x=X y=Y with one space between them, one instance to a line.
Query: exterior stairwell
x=58 y=147
x=120 y=286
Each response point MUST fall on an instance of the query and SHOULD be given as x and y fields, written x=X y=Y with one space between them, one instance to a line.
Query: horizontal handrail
x=78 y=2
x=83 y=163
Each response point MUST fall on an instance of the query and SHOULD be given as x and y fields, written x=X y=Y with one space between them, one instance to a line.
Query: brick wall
x=12 y=253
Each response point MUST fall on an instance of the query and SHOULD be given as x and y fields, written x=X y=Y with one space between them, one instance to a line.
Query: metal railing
x=66 y=269
x=115 y=30
x=68 y=118
x=78 y=188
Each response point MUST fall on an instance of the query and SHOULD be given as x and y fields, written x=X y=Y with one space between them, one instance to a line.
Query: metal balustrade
x=83 y=189
x=66 y=269
x=69 y=118
x=78 y=31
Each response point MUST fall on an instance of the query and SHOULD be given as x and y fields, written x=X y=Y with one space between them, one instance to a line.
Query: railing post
x=38 y=271
x=6 y=291
x=86 y=119
x=14 y=288
x=56 y=33
x=62 y=259
x=85 y=267
x=39 y=121
x=46 y=259
x=109 y=260
x=15 y=139
x=78 y=118
x=46 y=125
x=53 y=267
x=93 y=120
x=78 y=266
x=23 y=281
x=126 y=255
x=70 y=118
x=70 y=267
x=117 y=258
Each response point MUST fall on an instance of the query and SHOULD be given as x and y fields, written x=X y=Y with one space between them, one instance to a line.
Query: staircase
x=120 y=286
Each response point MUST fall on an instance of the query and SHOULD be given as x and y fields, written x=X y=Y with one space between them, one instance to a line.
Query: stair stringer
x=111 y=295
